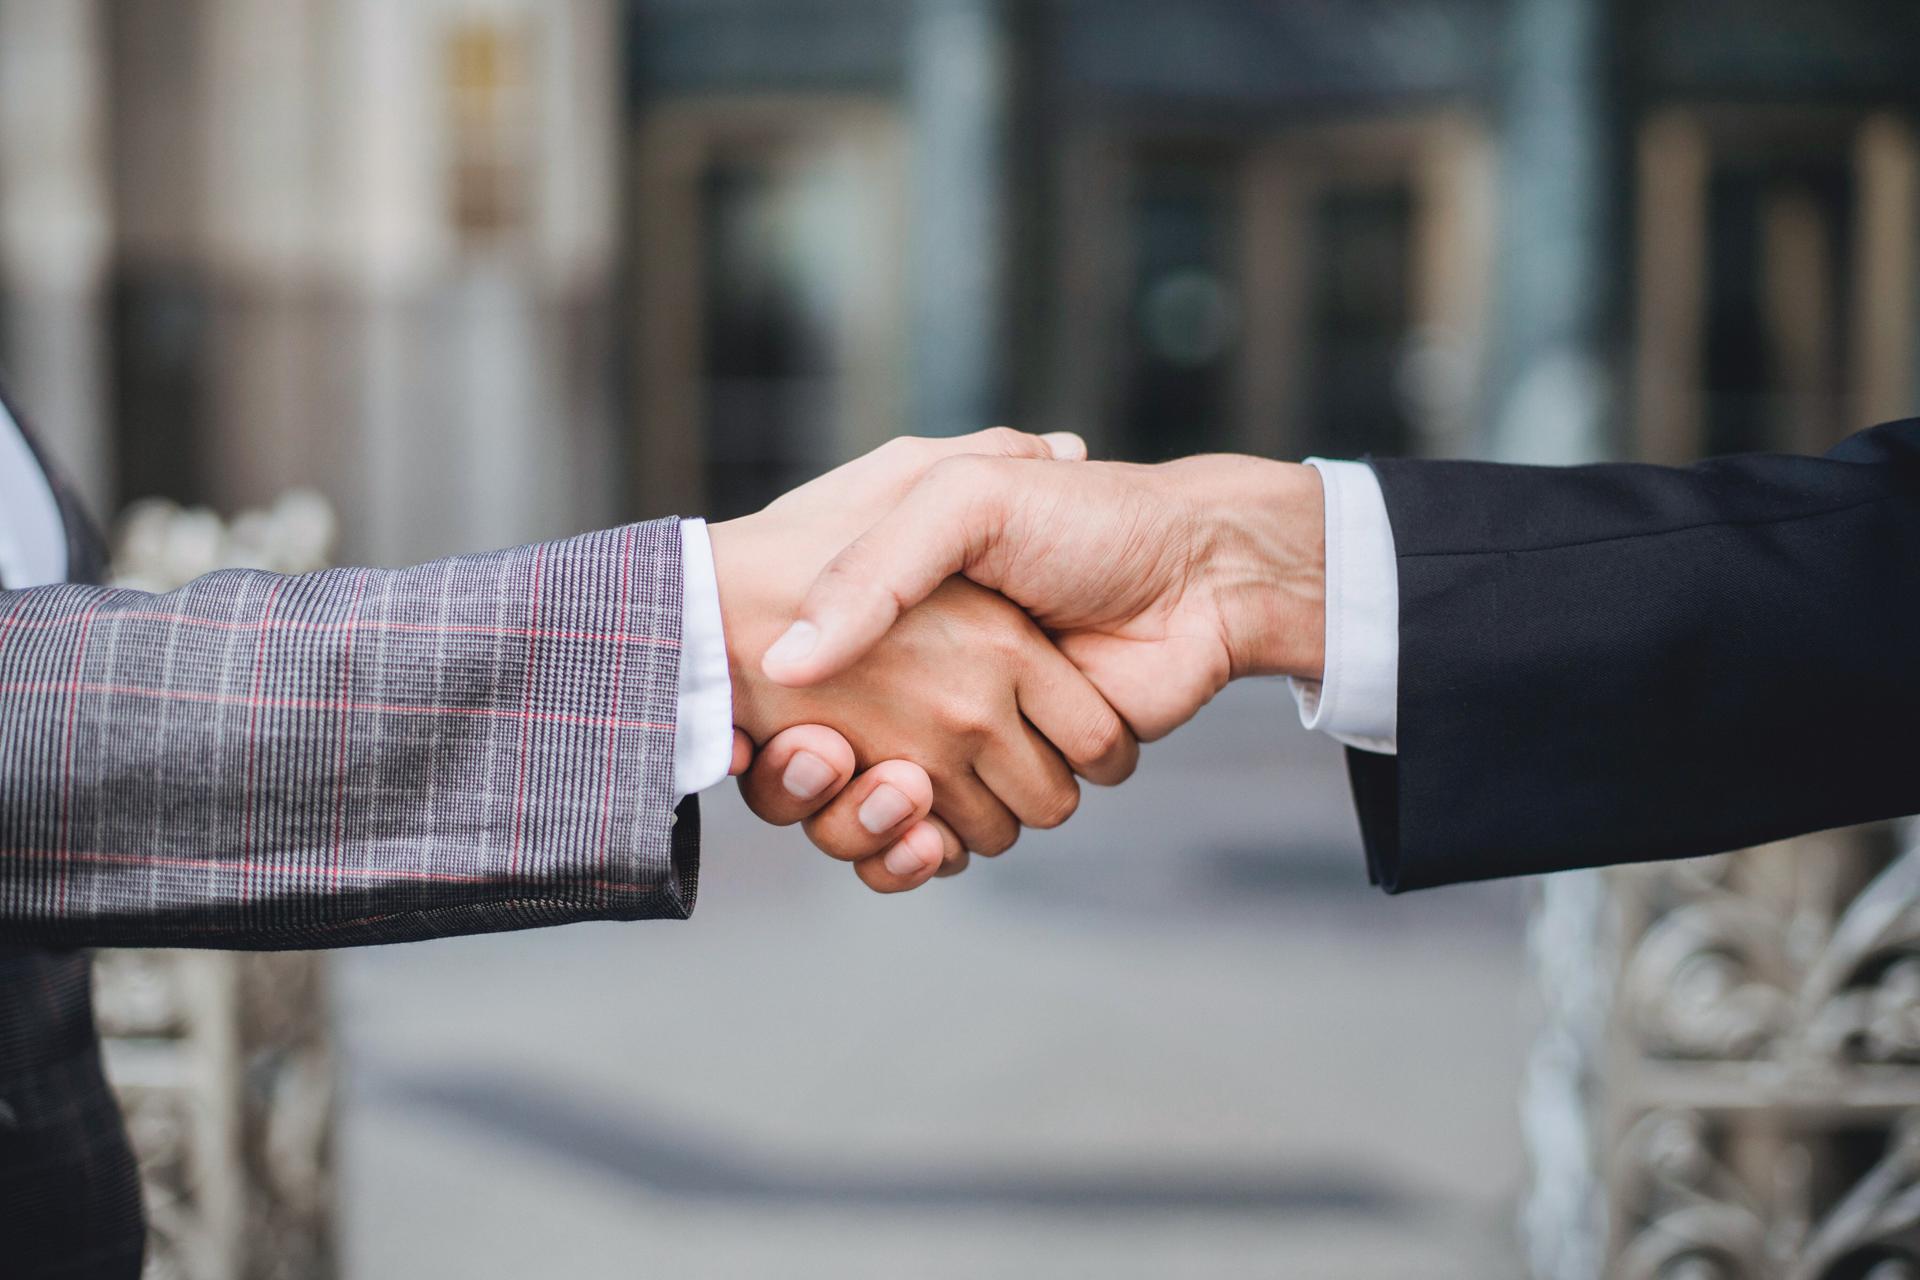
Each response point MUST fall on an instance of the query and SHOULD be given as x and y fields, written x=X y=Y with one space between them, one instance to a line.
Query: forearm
x=476 y=744
x=1622 y=663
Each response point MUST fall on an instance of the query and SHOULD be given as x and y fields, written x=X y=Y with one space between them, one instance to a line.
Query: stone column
x=479 y=415
x=1557 y=318
x=959 y=84
x=55 y=228
x=1553 y=400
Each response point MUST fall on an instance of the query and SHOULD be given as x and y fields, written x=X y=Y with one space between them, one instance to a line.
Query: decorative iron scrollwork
x=1748 y=1105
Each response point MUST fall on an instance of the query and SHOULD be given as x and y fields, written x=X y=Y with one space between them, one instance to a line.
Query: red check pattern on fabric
x=361 y=755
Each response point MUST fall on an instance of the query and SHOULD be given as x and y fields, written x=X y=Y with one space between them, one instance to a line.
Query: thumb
x=1065 y=446
x=944 y=524
x=1006 y=442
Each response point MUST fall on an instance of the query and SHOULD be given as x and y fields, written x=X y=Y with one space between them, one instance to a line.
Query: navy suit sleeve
x=1624 y=663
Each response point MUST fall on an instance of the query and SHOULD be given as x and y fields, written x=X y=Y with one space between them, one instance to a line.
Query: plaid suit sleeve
x=356 y=756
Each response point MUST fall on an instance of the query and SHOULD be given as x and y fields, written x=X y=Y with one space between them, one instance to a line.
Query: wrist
x=752 y=608
x=1264 y=558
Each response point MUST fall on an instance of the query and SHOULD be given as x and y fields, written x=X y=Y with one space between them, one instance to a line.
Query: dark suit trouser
x=69 y=1190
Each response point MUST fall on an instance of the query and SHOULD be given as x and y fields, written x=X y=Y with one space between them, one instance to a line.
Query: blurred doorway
x=1312 y=288
x=770 y=289
x=1775 y=250
x=1185 y=301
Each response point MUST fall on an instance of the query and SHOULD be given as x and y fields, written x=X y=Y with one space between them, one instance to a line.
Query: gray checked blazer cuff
x=356 y=756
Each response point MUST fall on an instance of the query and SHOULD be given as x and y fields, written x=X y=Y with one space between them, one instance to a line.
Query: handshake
x=933 y=644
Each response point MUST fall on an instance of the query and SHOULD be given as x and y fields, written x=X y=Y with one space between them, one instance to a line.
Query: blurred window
x=769 y=281
x=1184 y=307
x=160 y=302
x=1774 y=305
x=1309 y=288
x=1777 y=255
x=770 y=353
x=1359 y=321
x=489 y=111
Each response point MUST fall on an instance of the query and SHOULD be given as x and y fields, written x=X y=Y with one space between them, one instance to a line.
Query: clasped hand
x=933 y=644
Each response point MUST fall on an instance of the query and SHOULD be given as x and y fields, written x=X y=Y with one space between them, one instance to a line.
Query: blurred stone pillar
x=960 y=83
x=1553 y=401
x=1557 y=321
x=476 y=338
x=54 y=229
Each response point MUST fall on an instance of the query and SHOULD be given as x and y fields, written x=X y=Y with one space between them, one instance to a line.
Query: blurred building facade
x=489 y=270
x=366 y=247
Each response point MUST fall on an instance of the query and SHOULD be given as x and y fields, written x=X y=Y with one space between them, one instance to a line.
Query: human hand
x=1161 y=583
x=966 y=686
x=802 y=774
x=779 y=784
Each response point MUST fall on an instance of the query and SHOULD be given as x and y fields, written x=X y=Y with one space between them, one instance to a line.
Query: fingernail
x=796 y=644
x=885 y=809
x=901 y=860
x=806 y=776
x=1065 y=445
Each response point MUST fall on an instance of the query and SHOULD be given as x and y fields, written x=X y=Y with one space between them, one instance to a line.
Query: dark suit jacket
x=1620 y=663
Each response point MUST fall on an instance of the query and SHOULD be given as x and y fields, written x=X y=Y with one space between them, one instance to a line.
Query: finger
x=742 y=753
x=1159 y=695
x=1069 y=712
x=797 y=773
x=873 y=812
x=1029 y=777
x=954 y=856
x=1005 y=442
x=1065 y=446
x=945 y=521
x=919 y=855
x=984 y=825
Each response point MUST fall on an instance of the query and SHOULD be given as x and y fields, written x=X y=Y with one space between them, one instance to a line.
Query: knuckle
x=1006 y=441
x=1016 y=636
x=1103 y=739
x=996 y=840
x=1057 y=806
x=905 y=446
x=966 y=489
x=830 y=840
x=767 y=808
x=757 y=803
x=962 y=471
x=978 y=723
x=970 y=714
x=877 y=883
x=852 y=577
x=1011 y=647
x=852 y=565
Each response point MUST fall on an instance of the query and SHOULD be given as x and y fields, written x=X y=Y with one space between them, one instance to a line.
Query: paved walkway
x=1177 y=1038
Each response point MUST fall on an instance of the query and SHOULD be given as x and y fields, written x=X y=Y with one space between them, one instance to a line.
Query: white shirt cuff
x=1357 y=698
x=33 y=534
x=703 y=738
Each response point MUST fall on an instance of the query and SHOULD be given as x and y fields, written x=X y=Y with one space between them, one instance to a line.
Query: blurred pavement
x=1179 y=1037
